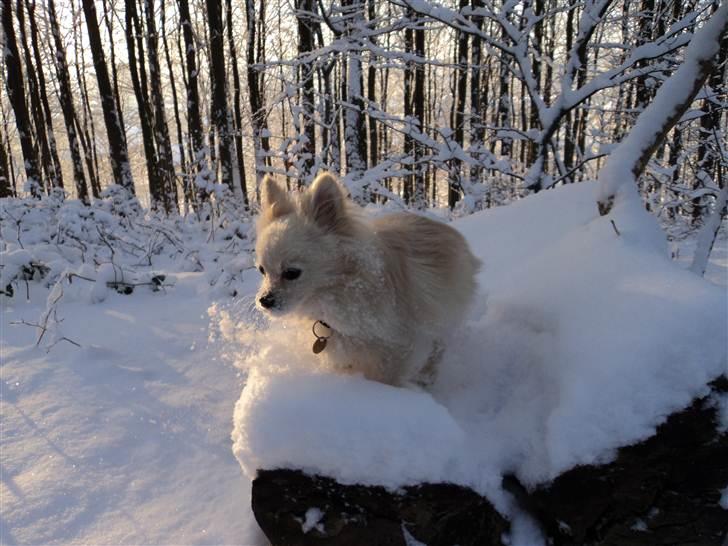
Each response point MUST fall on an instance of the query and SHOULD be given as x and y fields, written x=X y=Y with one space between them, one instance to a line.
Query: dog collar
x=321 y=340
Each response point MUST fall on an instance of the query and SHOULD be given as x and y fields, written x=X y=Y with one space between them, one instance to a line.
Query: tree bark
x=161 y=129
x=194 y=119
x=118 y=154
x=66 y=100
x=255 y=84
x=133 y=32
x=238 y=136
x=355 y=133
x=305 y=13
x=57 y=178
x=455 y=184
x=220 y=114
x=16 y=95
x=188 y=195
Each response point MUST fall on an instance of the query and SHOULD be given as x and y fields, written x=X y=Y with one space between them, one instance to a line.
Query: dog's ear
x=274 y=201
x=326 y=205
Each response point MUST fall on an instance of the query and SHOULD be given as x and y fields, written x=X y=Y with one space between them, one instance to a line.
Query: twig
x=615 y=228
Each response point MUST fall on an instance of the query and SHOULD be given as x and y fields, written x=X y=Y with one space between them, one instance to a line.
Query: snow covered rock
x=667 y=489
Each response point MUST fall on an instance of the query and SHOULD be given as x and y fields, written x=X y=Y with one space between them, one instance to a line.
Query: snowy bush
x=61 y=251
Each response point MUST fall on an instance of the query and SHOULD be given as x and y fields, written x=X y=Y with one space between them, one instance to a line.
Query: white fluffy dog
x=380 y=295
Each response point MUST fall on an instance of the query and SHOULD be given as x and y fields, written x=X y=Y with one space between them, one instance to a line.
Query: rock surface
x=293 y=508
x=665 y=490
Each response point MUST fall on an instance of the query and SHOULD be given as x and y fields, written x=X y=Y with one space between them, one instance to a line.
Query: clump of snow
x=312 y=520
x=724 y=499
x=301 y=430
x=720 y=402
x=588 y=339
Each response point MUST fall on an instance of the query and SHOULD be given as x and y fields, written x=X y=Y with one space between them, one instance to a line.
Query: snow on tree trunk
x=625 y=164
x=708 y=232
x=355 y=131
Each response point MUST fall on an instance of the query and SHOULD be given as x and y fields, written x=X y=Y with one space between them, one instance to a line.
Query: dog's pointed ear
x=327 y=206
x=274 y=201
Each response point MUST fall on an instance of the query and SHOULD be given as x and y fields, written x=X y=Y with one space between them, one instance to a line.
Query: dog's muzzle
x=267 y=300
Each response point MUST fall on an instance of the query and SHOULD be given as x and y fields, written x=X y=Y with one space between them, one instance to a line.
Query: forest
x=573 y=151
x=466 y=105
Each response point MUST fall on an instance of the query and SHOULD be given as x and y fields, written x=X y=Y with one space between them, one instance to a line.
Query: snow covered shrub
x=117 y=245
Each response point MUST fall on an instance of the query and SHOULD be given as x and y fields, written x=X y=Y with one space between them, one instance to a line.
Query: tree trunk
x=255 y=84
x=161 y=129
x=372 y=87
x=455 y=185
x=6 y=190
x=305 y=13
x=139 y=83
x=118 y=153
x=86 y=129
x=16 y=94
x=477 y=122
x=5 y=141
x=66 y=100
x=408 y=186
x=109 y=24
x=57 y=179
x=194 y=119
x=188 y=195
x=418 y=103
x=36 y=110
x=238 y=136
x=355 y=133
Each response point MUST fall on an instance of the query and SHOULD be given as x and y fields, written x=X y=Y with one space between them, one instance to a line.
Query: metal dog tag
x=319 y=345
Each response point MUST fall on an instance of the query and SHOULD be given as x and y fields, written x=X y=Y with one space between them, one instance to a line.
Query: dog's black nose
x=267 y=300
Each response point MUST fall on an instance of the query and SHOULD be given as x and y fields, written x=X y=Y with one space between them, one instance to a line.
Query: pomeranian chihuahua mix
x=380 y=295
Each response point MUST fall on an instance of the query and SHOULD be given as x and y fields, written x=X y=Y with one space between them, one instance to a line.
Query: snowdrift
x=586 y=336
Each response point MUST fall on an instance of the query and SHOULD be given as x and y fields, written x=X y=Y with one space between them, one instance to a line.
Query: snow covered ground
x=126 y=440
x=585 y=340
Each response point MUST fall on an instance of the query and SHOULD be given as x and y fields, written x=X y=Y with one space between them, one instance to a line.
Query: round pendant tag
x=319 y=345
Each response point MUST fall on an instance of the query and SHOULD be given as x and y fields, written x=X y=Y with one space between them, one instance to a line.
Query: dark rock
x=357 y=515
x=664 y=490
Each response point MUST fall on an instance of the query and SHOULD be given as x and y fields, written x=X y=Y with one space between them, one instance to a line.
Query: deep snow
x=127 y=439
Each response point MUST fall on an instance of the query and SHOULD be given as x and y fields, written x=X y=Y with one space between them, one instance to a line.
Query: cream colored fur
x=391 y=288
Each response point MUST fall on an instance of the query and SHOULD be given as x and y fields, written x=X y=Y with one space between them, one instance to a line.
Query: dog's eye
x=291 y=274
x=262 y=271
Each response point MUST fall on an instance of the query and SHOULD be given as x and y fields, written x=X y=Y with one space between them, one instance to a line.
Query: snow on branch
x=628 y=160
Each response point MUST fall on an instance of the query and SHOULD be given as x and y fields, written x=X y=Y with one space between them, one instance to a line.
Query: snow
x=724 y=499
x=585 y=342
x=581 y=340
x=311 y=520
x=125 y=441
x=297 y=428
